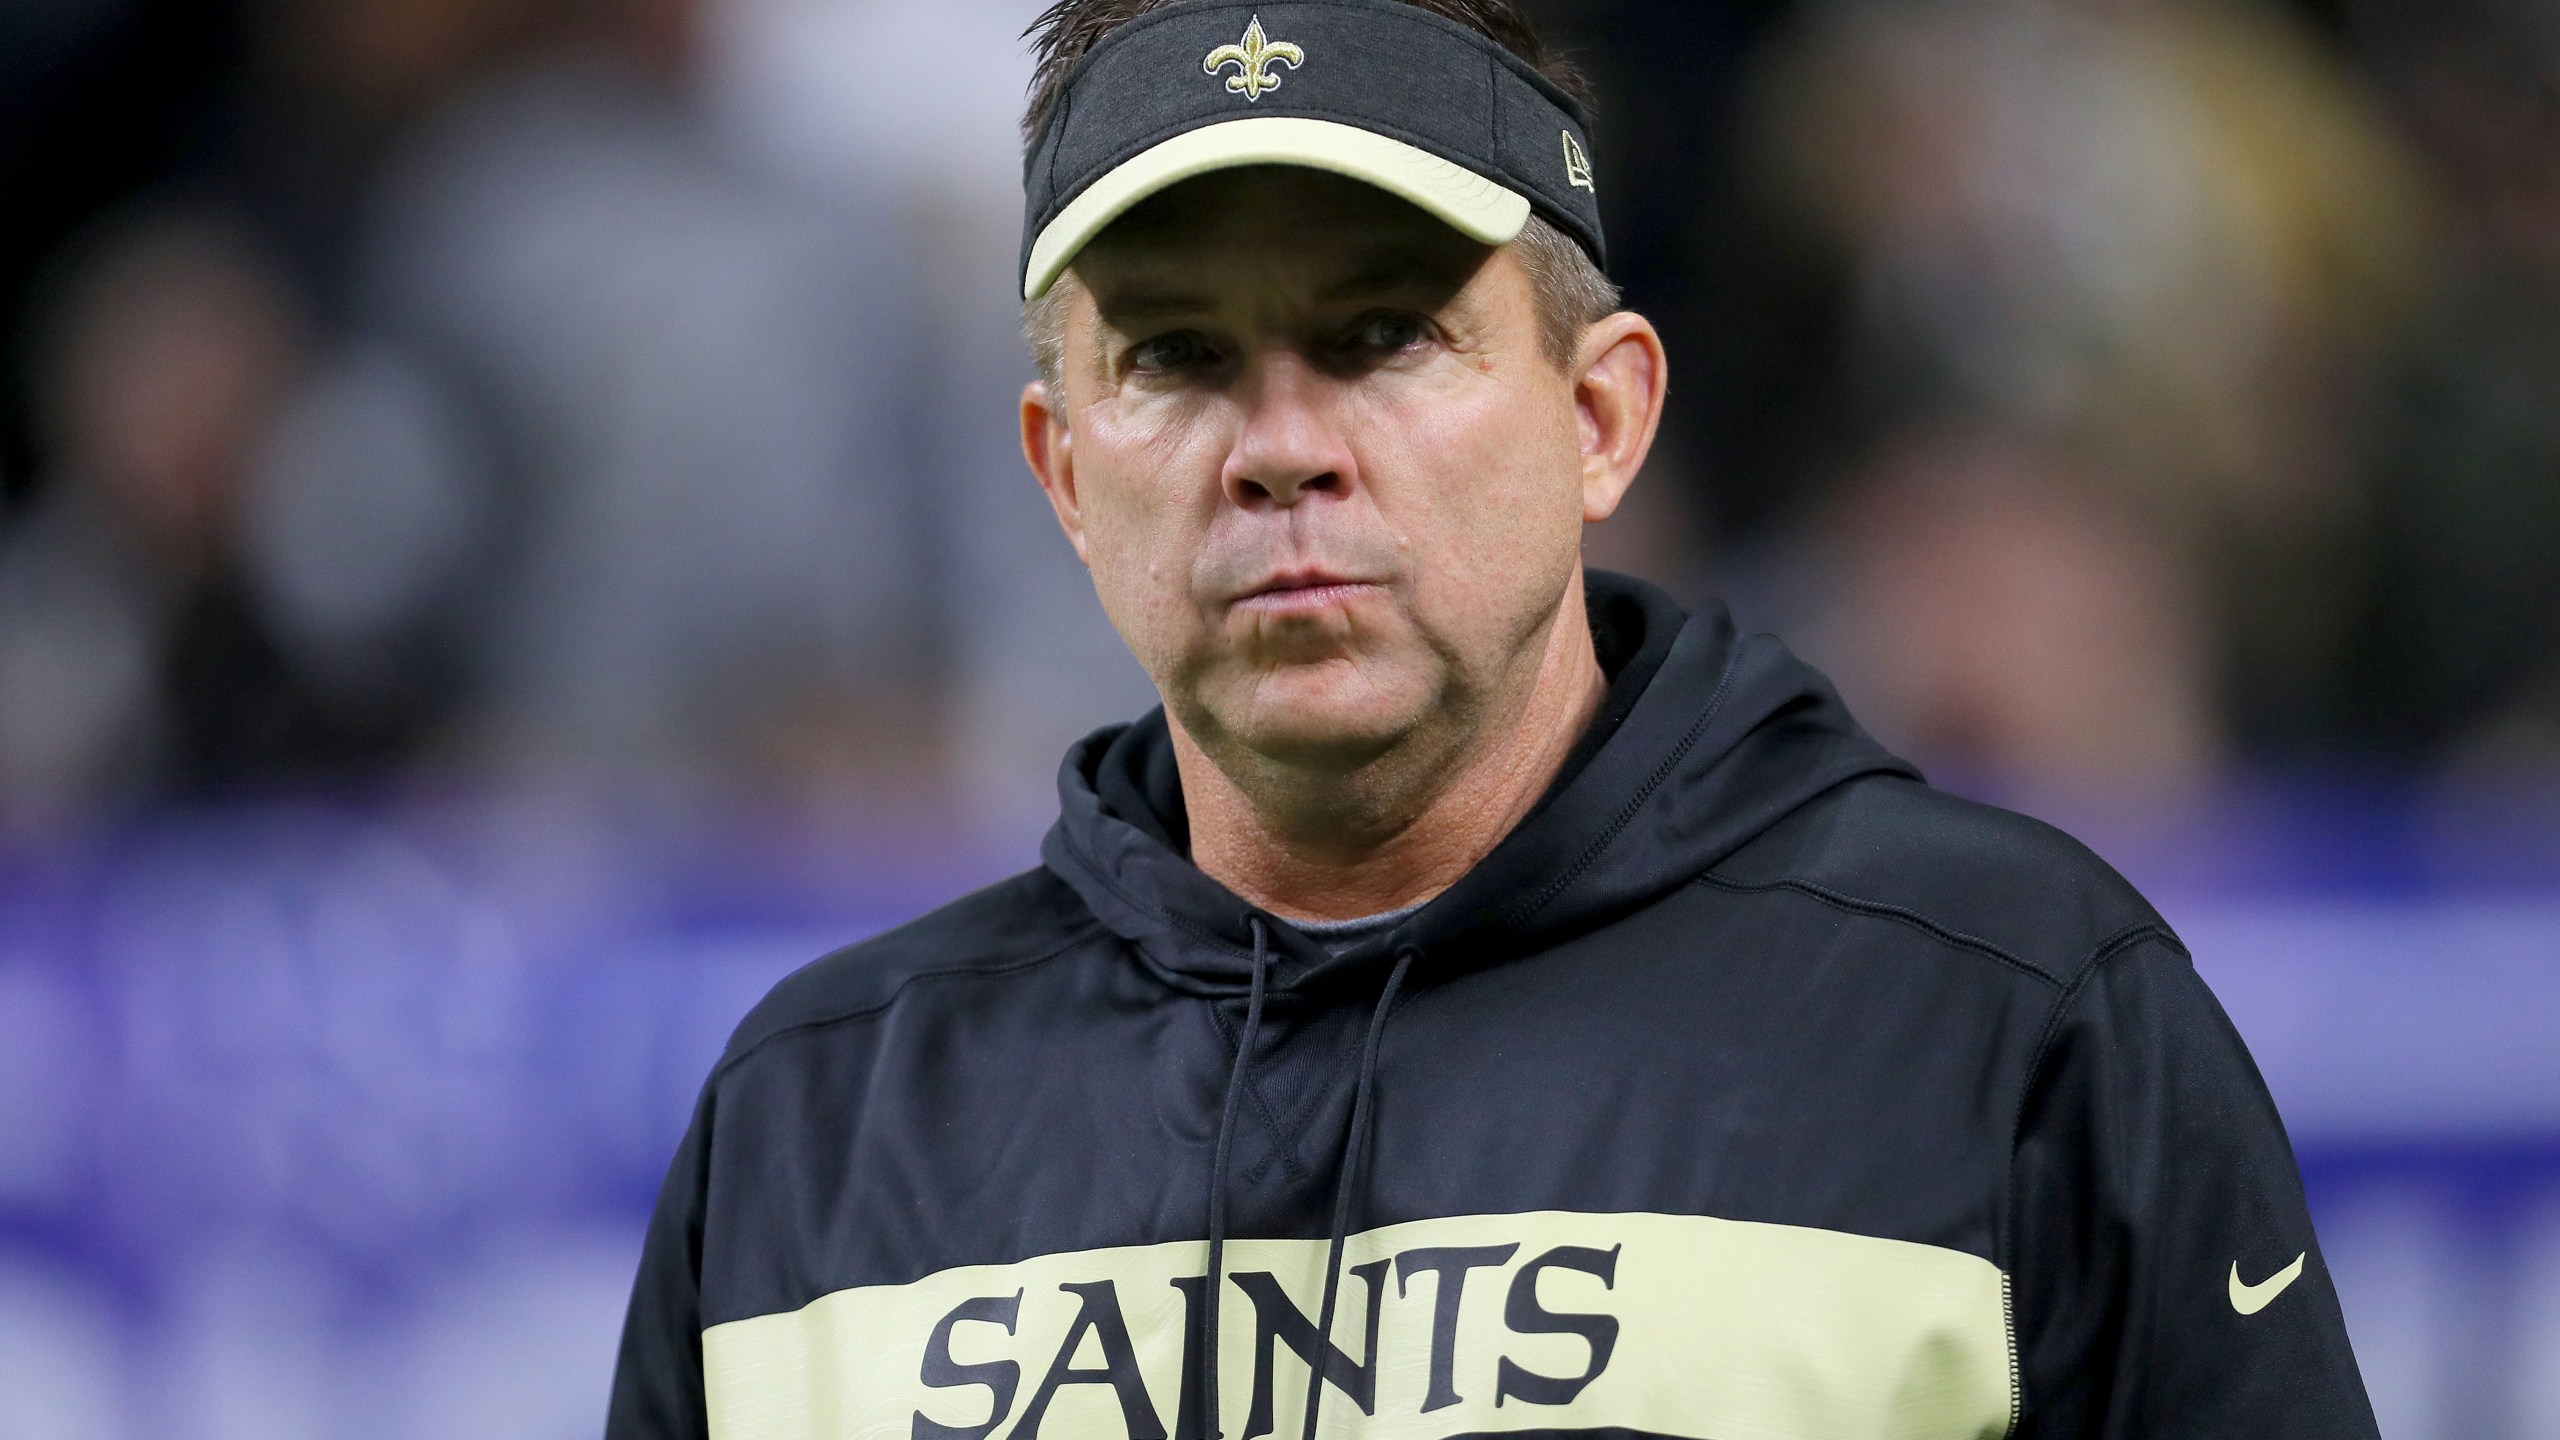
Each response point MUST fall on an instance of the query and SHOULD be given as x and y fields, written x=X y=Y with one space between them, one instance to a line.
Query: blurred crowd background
x=2116 y=394
x=511 y=536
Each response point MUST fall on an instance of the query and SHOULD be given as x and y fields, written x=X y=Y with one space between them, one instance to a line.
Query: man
x=1482 y=999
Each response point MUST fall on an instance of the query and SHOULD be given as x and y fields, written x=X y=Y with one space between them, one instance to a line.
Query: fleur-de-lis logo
x=1577 y=166
x=1253 y=57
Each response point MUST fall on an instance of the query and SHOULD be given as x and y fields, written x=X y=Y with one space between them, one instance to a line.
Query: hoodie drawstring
x=1355 y=1150
x=1214 y=1290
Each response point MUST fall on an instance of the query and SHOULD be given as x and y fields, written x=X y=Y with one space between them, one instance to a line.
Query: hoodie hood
x=1707 y=738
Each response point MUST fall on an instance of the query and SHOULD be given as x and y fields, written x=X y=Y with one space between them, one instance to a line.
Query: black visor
x=1421 y=107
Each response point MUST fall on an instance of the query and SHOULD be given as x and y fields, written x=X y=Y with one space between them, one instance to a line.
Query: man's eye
x=1388 y=332
x=1180 y=350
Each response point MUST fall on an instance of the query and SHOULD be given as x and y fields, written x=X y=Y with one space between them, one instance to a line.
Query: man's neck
x=1337 y=847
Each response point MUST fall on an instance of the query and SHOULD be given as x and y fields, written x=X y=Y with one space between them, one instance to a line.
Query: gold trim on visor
x=1478 y=208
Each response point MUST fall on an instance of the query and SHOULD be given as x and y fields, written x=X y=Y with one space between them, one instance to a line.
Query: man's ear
x=1620 y=379
x=1049 y=447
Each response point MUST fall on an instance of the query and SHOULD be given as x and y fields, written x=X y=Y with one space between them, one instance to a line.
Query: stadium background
x=510 y=540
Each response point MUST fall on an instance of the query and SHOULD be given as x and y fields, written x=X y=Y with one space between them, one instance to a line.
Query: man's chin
x=1333 y=716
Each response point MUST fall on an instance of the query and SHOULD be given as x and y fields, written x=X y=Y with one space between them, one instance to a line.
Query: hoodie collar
x=1705 y=739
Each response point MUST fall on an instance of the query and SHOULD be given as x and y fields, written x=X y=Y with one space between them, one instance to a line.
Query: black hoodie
x=1749 y=1090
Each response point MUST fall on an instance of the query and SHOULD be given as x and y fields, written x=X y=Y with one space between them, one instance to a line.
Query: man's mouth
x=1300 y=592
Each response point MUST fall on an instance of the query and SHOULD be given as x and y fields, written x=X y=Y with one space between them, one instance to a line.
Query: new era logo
x=1577 y=166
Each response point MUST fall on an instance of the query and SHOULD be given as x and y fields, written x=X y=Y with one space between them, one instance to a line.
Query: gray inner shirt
x=1338 y=936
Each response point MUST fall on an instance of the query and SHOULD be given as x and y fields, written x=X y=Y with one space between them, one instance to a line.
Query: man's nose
x=1287 y=446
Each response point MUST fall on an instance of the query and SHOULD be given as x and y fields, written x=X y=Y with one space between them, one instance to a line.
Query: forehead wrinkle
x=1390 y=267
x=1397 y=269
x=1149 y=304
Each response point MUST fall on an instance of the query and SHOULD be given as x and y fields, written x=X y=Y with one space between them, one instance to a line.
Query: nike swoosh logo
x=2250 y=1299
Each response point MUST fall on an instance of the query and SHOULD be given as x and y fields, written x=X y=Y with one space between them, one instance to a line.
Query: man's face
x=1328 y=483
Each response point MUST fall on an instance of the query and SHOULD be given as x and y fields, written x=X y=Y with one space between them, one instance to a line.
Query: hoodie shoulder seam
x=1882 y=910
x=1082 y=932
x=2099 y=954
x=2104 y=951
